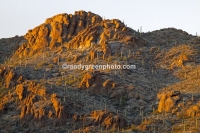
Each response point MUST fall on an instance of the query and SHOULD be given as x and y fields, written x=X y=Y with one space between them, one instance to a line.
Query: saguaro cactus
x=152 y=71
x=97 y=56
x=196 y=122
x=185 y=75
x=105 y=106
x=192 y=97
x=43 y=56
x=129 y=53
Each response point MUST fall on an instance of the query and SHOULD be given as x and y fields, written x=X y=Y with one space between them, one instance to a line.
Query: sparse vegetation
x=50 y=66
x=59 y=82
x=43 y=63
x=68 y=59
x=160 y=95
x=3 y=91
x=110 y=59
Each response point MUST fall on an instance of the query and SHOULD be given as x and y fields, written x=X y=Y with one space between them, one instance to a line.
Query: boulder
x=20 y=91
x=117 y=94
x=168 y=101
x=87 y=80
x=109 y=83
x=109 y=120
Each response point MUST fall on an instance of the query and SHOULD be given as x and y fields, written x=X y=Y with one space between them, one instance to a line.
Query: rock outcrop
x=108 y=119
x=57 y=105
x=20 y=91
x=9 y=77
x=168 y=100
x=79 y=31
x=57 y=30
x=37 y=94
x=86 y=81
x=9 y=46
x=99 y=83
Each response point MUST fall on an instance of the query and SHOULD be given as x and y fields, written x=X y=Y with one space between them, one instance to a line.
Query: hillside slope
x=38 y=95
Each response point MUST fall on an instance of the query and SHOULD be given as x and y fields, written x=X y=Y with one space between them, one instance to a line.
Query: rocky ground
x=38 y=95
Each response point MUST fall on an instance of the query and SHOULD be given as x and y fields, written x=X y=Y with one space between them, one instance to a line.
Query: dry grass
x=72 y=80
x=176 y=57
x=190 y=80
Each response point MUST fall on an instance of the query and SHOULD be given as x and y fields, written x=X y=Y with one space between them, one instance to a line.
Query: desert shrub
x=50 y=65
x=110 y=58
x=15 y=64
x=59 y=82
x=155 y=112
x=42 y=64
x=133 y=128
x=2 y=92
x=42 y=81
x=68 y=59
x=36 y=68
x=124 y=58
x=48 y=54
x=71 y=80
x=122 y=100
x=56 y=60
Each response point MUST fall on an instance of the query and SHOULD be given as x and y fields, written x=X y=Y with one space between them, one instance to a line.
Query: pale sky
x=18 y=16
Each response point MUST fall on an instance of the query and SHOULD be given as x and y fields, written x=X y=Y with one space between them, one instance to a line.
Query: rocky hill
x=9 y=46
x=80 y=30
x=38 y=95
